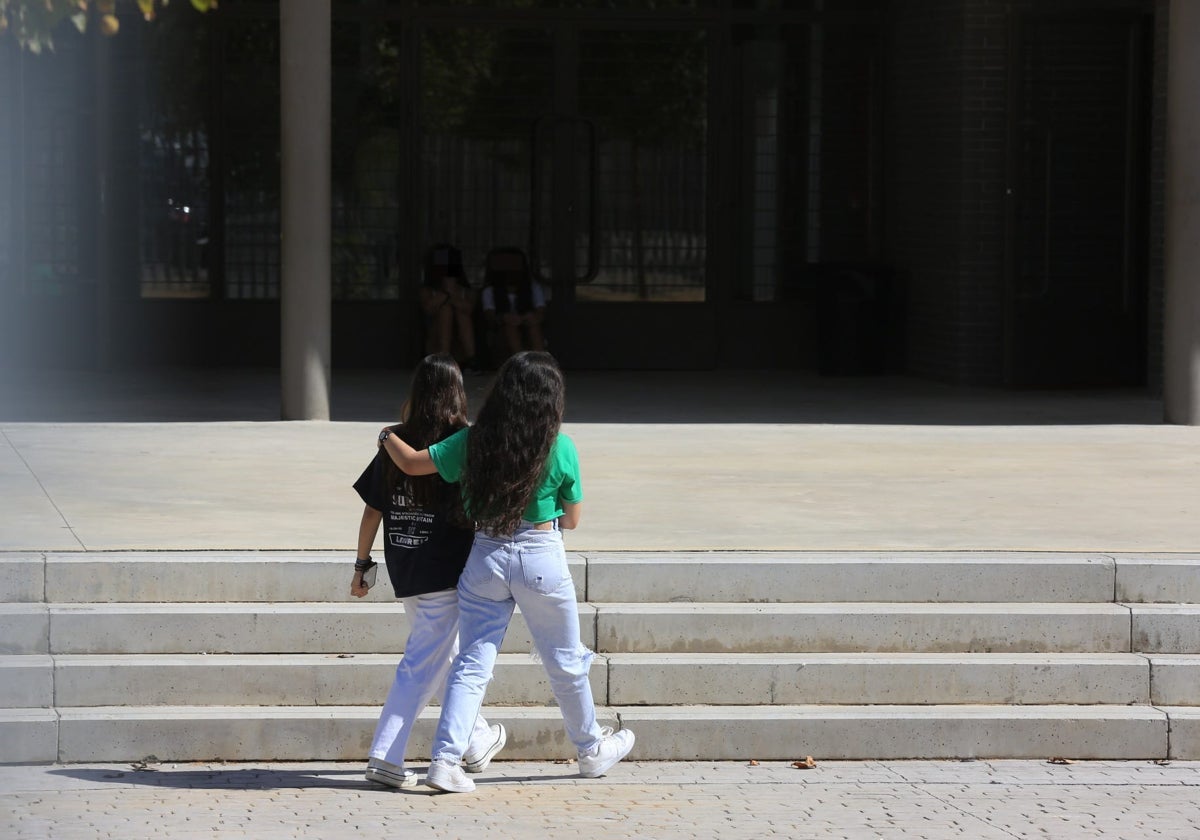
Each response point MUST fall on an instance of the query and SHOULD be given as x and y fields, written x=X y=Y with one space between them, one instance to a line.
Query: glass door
x=629 y=199
x=586 y=149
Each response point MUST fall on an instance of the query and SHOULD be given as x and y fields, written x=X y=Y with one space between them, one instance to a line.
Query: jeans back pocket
x=544 y=568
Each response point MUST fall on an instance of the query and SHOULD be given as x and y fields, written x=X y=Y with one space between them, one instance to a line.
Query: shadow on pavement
x=196 y=395
x=245 y=777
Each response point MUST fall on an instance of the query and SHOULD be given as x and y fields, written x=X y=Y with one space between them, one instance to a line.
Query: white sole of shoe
x=389 y=779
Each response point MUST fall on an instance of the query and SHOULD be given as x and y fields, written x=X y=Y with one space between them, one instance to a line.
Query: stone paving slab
x=994 y=800
x=651 y=486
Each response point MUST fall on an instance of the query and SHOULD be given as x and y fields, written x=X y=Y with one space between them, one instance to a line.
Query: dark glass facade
x=920 y=186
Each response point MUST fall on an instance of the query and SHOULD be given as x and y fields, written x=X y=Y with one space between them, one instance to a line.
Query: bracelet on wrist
x=363 y=565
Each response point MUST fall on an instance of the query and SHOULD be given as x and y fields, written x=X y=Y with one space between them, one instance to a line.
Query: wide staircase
x=248 y=656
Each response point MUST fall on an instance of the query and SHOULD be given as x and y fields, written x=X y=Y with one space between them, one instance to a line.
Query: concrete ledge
x=1185 y=732
x=28 y=735
x=884 y=732
x=24 y=628
x=250 y=733
x=893 y=678
x=839 y=628
x=275 y=680
x=1166 y=628
x=26 y=682
x=22 y=578
x=251 y=628
x=850 y=576
x=218 y=576
x=1159 y=578
x=1175 y=680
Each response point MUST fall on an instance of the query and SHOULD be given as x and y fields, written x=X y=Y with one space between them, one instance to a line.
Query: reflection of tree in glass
x=250 y=106
x=472 y=80
x=648 y=90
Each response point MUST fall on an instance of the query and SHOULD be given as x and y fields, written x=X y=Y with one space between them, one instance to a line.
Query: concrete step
x=1166 y=628
x=225 y=628
x=1175 y=680
x=895 y=732
x=216 y=576
x=1158 y=578
x=843 y=577
x=617 y=679
x=863 y=627
x=26 y=682
x=251 y=733
x=198 y=577
x=22 y=578
x=275 y=679
x=617 y=628
x=889 y=679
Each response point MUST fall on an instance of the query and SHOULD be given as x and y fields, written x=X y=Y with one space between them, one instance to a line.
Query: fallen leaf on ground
x=753 y=763
x=1058 y=760
x=807 y=764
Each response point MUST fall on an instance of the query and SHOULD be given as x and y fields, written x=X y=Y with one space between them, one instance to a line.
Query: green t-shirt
x=560 y=477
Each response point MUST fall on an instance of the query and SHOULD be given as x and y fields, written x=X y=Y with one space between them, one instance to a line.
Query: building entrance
x=585 y=146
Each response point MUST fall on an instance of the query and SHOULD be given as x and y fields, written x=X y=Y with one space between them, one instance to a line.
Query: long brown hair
x=511 y=439
x=435 y=409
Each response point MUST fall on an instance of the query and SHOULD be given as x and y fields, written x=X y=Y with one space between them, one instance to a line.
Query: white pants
x=431 y=647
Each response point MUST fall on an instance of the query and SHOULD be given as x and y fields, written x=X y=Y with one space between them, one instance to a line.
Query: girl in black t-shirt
x=426 y=543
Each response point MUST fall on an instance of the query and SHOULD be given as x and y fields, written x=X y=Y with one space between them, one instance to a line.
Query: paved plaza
x=671 y=463
x=912 y=800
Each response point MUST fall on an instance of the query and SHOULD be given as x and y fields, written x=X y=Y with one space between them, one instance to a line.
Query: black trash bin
x=855 y=318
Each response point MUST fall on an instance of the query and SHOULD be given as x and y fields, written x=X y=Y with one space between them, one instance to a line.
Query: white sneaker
x=446 y=775
x=392 y=775
x=612 y=748
x=476 y=762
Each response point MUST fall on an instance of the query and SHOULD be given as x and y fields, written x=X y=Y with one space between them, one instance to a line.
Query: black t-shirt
x=424 y=552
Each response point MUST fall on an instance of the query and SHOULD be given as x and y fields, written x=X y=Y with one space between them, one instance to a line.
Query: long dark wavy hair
x=435 y=409
x=511 y=439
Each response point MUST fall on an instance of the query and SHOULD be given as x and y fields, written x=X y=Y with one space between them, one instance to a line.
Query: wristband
x=363 y=565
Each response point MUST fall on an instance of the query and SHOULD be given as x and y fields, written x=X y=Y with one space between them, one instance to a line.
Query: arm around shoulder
x=409 y=460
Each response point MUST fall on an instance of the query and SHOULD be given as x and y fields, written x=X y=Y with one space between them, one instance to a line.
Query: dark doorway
x=1076 y=284
x=586 y=147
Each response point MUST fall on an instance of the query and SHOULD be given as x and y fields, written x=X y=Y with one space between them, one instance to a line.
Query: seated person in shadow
x=513 y=302
x=448 y=303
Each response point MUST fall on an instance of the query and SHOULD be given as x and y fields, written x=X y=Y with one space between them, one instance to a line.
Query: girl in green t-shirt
x=520 y=480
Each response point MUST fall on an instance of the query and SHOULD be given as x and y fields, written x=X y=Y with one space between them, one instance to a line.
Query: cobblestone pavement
x=850 y=800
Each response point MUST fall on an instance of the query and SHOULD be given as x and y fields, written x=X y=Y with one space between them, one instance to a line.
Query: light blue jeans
x=431 y=647
x=526 y=570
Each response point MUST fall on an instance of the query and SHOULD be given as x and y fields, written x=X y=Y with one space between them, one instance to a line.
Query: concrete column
x=1181 y=328
x=305 y=281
